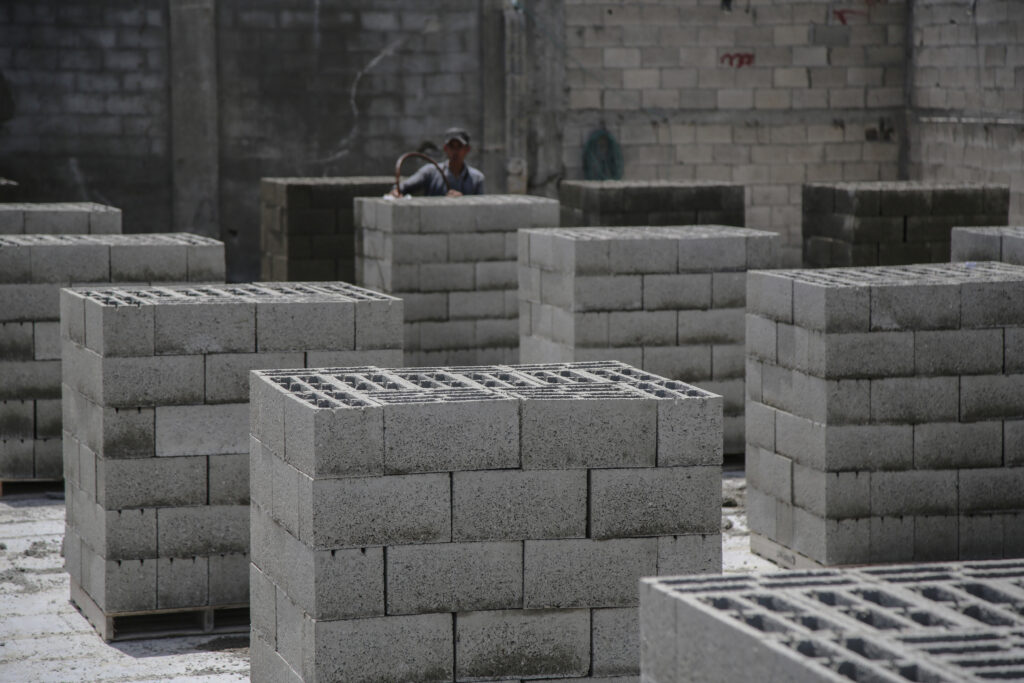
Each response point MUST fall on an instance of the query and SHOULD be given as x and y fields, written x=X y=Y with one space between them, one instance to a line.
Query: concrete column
x=516 y=100
x=194 y=130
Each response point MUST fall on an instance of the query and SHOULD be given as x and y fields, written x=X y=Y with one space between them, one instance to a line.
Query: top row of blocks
x=81 y=218
x=321 y=193
x=906 y=198
x=478 y=213
x=610 y=196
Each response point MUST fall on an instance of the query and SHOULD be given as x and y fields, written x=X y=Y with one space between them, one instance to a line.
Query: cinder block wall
x=667 y=299
x=453 y=263
x=967 y=95
x=885 y=413
x=33 y=268
x=307 y=230
x=616 y=202
x=877 y=224
x=768 y=94
x=488 y=523
x=989 y=244
x=75 y=218
x=155 y=399
x=920 y=621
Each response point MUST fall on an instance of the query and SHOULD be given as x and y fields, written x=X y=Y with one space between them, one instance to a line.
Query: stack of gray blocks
x=475 y=523
x=307 y=231
x=650 y=202
x=942 y=623
x=156 y=435
x=893 y=223
x=75 y=218
x=33 y=268
x=669 y=300
x=989 y=244
x=885 y=413
x=452 y=260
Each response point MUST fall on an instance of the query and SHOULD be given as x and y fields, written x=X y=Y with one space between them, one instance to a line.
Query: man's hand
x=394 y=192
x=454 y=193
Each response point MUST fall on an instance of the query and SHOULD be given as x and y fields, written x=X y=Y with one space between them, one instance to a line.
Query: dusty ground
x=43 y=638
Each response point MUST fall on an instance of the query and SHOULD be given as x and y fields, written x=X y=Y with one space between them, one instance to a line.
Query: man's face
x=456 y=151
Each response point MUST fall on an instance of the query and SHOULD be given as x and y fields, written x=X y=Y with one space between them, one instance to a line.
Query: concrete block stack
x=487 y=523
x=156 y=436
x=453 y=263
x=893 y=223
x=650 y=202
x=307 y=231
x=76 y=218
x=885 y=413
x=989 y=244
x=946 y=623
x=33 y=268
x=669 y=300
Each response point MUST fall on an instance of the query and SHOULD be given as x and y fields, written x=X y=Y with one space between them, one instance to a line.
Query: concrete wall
x=968 y=94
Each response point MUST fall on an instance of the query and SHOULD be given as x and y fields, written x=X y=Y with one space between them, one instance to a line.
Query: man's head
x=456 y=145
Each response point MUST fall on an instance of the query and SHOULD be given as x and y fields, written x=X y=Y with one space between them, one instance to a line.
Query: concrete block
x=533 y=643
x=333 y=442
x=393 y=510
x=690 y=554
x=72 y=317
x=454 y=577
x=832 y=495
x=770 y=296
x=297 y=325
x=363 y=649
x=120 y=586
x=152 y=381
x=597 y=432
x=17 y=419
x=677 y=291
x=831 y=309
x=915 y=307
x=229 y=581
x=615 y=641
x=690 y=363
x=147 y=483
x=953 y=445
x=262 y=607
x=917 y=492
x=715 y=326
x=21 y=302
x=985 y=397
x=654 y=328
x=654 y=502
x=990 y=489
x=59 y=263
x=761 y=336
x=182 y=582
x=56 y=219
x=935 y=537
x=608 y=293
x=712 y=253
x=729 y=290
x=919 y=399
x=227 y=374
x=959 y=352
x=126 y=534
x=143 y=263
x=16 y=341
x=517 y=505
x=202 y=530
x=991 y=304
x=207 y=328
x=202 y=429
x=30 y=379
x=46 y=340
x=586 y=573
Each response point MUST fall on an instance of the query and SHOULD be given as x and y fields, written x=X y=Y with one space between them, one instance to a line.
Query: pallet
x=12 y=487
x=160 y=623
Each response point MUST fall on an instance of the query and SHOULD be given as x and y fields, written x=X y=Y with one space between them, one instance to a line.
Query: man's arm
x=418 y=180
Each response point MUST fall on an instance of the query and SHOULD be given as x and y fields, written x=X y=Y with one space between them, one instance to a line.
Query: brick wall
x=770 y=94
x=87 y=114
x=968 y=94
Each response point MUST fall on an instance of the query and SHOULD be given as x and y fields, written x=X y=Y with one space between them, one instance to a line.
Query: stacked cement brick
x=77 y=218
x=989 y=244
x=307 y=231
x=667 y=299
x=156 y=442
x=475 y=523
x=33 y=268
x=453 y=262
x=943 y=623
x=893 y=223
x=885 y=413
x=650 y=202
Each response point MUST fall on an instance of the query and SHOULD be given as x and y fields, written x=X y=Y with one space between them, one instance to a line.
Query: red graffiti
x=843 y=14
x=738 y=59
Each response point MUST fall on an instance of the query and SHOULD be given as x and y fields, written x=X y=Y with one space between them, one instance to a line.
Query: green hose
x=602 y=157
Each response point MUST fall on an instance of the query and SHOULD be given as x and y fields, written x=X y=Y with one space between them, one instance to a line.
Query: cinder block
x=202 y=530
x=586 y=573
x=202 y=429
x=518 y=505
x=925 y=492
x=211 y=328
x=535 y=642
x=182 y=582
x=229 y=579
x=690 y=554
x=658 y=501
x=615 y=641
x=227 y=374
x=147 y=483
x=455 y=577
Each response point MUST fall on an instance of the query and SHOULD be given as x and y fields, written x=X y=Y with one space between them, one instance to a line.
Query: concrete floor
x=43 y=638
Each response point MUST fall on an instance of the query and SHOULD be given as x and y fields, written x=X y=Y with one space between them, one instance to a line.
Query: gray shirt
x=427 y=179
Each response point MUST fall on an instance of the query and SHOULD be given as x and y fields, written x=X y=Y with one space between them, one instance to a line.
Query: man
x=462 y=178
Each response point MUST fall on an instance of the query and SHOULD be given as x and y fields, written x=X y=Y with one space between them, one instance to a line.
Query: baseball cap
x=456 y=133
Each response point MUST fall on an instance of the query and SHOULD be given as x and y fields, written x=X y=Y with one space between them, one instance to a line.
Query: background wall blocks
x=668 y=299
x=453 y=261
x=156 y=423
x=877 y=418
x=891 y=223
x=936 y=622
x=483 y=547
x=33 y=268
x=64 y=217
x=307 y=231
x=650 y=202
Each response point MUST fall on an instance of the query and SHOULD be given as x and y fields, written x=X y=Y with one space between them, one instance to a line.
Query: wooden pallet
x=160 y=623
x=11 y=487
